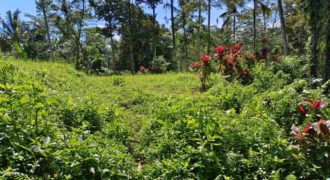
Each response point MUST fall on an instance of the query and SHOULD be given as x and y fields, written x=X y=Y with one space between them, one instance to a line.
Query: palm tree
x=281 y=14
x=265 y=9
x=208 y=26
x=11 y=28
x=172 y=24
x=172 y=10
x=130 y=29
x=200 y=5
x=183 y=16
x=227 y=15
x=43 y=6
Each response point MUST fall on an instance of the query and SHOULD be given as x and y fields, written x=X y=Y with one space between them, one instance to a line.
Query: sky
x=28 y=6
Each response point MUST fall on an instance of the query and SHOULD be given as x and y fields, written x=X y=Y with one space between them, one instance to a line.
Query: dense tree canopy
x=131 y=38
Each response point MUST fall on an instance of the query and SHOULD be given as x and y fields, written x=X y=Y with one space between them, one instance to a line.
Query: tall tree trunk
x=284 y=40
x=254 y=23
x=327 y=54
x=209 y=26
x=234 y=27
x=173 y=30
x=49 y=41
x=131 y=55
x=184 y=47
x=78 y=36
x=112 y=52
x=154 y=30
x=265 y=23
x=111 y=29
x=275 y=19
x=185 y=39
x=314 y=66
x=199 y=28
x=172 y=24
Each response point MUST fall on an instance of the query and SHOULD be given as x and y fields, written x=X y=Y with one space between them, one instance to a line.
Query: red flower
x=220 y=51
x=318 y=104
x=308 y=128
x=323 y=127
x=231 y=62
x=142 y=69
x=309 y=100
x=302 y=109
x=235 y=48
x=206 y=59
x=195 y=66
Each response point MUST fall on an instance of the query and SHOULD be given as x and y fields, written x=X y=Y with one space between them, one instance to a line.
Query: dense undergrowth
x=62 y=124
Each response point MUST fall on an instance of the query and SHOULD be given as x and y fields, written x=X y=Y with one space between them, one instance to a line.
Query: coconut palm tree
x=43 y=5
x=11 y=29
x=265 y=10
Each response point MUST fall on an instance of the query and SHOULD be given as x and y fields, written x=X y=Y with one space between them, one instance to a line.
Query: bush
x=118 y=81
x=161 y=63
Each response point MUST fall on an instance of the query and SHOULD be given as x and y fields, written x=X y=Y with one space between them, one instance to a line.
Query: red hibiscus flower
x=220 y=51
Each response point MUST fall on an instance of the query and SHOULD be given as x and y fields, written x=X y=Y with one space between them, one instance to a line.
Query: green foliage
x=118 y=81
x=58 y=123
x=160 y=62
x=44 y=136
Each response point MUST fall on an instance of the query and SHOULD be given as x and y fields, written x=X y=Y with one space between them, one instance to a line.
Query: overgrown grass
x=59 y=123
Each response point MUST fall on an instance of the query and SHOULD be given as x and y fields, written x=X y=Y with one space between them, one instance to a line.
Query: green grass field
x=59 y=123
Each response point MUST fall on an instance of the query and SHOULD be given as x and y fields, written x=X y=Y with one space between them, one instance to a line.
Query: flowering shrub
x=312 y=133
x=205 y=68
x=314 y=137
x=313 y=140
x=142 y=69
x=309 y=105
x=232 y=63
